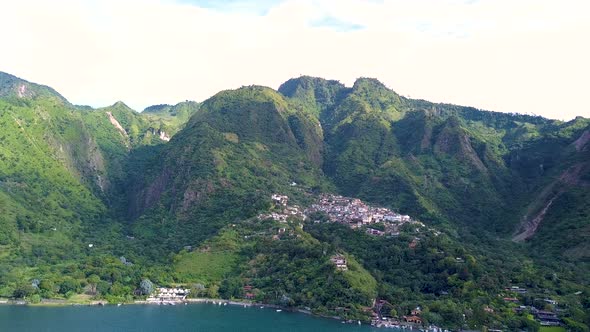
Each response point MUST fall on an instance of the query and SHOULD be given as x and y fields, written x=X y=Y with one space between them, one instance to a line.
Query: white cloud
x=512 y=56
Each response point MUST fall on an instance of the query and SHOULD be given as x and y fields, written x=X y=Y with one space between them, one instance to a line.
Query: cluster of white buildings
x=355 y=213
x=284 y=210
x=351 y=211
x=168 y=295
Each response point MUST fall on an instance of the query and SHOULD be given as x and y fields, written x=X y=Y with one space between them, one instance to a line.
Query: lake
x=193 y=317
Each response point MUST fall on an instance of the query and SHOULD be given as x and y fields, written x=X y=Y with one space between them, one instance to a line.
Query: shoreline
x=220 y=302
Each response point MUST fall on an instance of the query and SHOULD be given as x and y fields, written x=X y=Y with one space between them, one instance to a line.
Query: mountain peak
x=15 y=87
x=121 y=106
x=156 y=108
x=370 y=83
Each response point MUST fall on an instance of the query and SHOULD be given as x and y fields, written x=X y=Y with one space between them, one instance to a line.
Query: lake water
x=193 y=317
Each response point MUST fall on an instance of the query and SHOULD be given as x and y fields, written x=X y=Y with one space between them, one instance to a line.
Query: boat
x=279 y=310
x=359 y=322
x=119 y=304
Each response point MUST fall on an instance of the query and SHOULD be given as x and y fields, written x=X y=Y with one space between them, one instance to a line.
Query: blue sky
x=260 y=7
x=525 y=56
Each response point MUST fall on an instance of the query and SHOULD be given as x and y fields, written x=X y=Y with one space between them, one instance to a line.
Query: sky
x=517 y=56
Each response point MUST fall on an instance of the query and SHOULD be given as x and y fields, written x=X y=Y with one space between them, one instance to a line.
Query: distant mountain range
x=95 y=200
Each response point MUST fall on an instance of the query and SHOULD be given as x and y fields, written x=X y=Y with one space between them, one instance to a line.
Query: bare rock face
x=144 y=199
x=581 y=144
x=163 y=136
x=530 y=226
x=117 y=125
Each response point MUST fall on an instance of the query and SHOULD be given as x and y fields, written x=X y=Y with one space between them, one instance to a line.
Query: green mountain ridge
x=14 y=88
x=95 y=200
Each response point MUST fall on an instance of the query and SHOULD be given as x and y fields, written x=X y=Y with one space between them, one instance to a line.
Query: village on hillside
x=345 y=210
x=356 y=214
x=379 y=221
x=360 y=216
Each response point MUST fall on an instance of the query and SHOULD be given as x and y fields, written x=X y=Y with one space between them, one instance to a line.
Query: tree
x=47 y=286
x=231 y=288
x=69 y=285
x=23 y=290
x=93 y=281
x=103 y=287
x=146 y=286
x=393 y=312
x=213 y=291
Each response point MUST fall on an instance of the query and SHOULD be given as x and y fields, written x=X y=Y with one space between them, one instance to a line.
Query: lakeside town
x=362 y=217
x=345 y=210
x=356 y=214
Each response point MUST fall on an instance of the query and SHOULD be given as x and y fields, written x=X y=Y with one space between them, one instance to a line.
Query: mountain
x=61 y=178
x=240 y=147
x=49 y=165
x=14 y=88
x=95 y=201
x=425 y=158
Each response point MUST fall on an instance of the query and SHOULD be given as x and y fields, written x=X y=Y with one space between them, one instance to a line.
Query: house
x=413 y=319
x=511 y=299
x=249 y=296
x=547 y=318
x=393 y=218
x=517 y=289
x=340 y=262
x=372 y=231
x=416 y=312
x=280 y=199
x=488 y=309
x=413 y=244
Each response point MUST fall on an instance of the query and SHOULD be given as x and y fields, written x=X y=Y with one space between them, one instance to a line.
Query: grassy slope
x=288 y=269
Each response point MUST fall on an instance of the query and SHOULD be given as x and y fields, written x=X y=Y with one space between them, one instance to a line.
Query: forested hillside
x=93 y=201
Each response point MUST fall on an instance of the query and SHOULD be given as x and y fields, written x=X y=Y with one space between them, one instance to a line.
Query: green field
x=204 y=267
x=212 y=262
x=552 y=329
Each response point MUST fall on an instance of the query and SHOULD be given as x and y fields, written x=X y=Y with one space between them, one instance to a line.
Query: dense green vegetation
x=97 y=204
